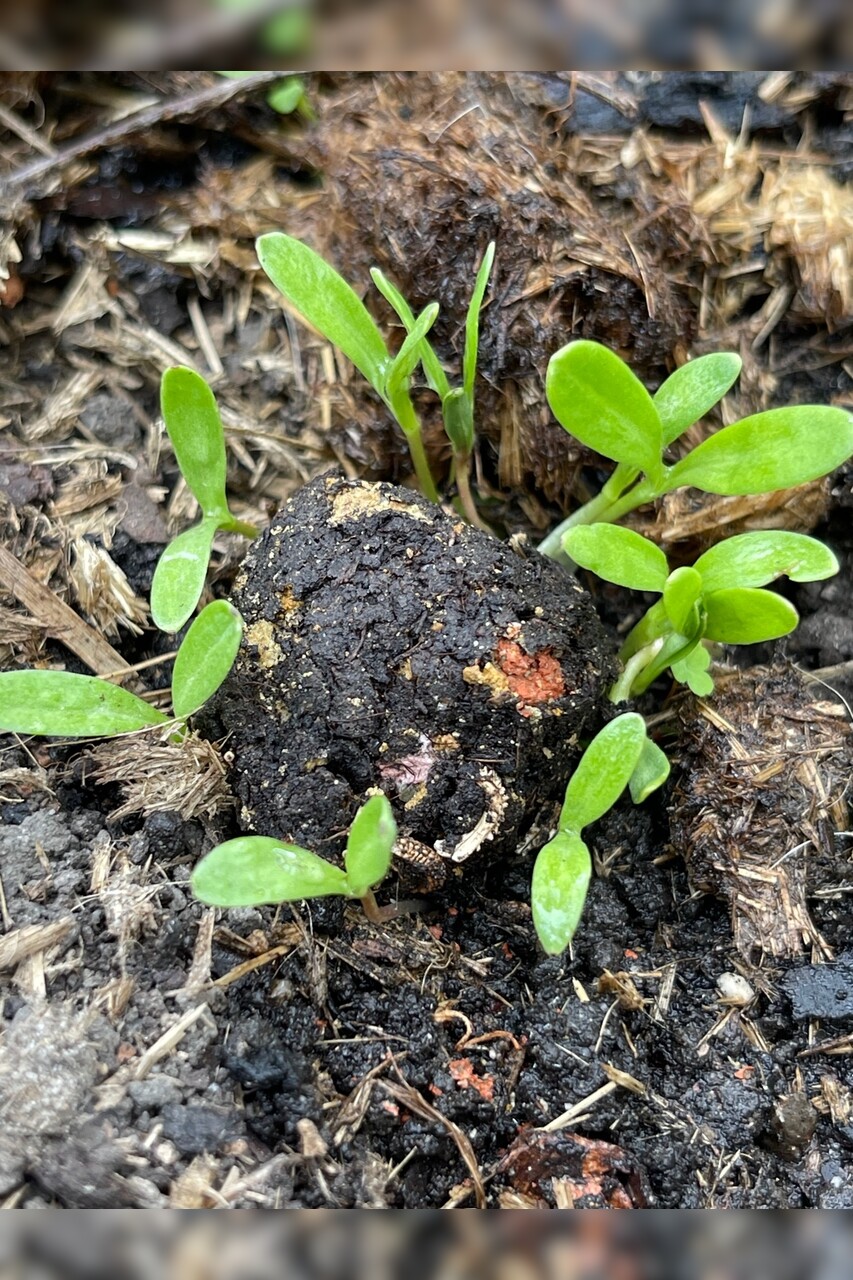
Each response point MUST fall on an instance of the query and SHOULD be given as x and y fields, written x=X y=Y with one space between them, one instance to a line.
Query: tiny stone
x=155 y=1092
x=734 y=989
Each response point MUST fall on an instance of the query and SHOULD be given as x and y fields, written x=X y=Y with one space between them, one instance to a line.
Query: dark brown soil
x=158 y=1054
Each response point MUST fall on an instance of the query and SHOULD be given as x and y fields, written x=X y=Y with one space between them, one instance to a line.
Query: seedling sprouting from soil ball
x=620 y=756
x=255 y=870
x=61 y=704
x=195 y=430
x=596 y=397
x=719 y=598
x=326 y=301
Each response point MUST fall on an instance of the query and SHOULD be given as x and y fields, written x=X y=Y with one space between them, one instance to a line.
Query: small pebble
x=735 y=990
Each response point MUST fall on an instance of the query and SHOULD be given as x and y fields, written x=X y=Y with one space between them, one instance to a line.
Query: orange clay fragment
x=532 y=677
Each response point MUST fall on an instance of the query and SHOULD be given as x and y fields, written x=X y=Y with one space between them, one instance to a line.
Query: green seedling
x=195 y=430
x=324 y=299
x=719 y=599
x=620 y=756
x=61 y=704
x=596 y=397
x=457 y=403
x=255 y=870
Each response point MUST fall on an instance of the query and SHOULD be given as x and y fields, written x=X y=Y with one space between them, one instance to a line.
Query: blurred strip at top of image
x=387 y=34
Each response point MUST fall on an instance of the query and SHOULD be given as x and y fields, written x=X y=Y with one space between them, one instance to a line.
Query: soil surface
x=694 y=1048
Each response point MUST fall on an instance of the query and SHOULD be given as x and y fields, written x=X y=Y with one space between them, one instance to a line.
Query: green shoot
x=327 y=303
x=195 y=430
x=596 y=397
x=258 y=870
x=61 y=704
x=620 y=756
x=718 y=599
x=457 y=403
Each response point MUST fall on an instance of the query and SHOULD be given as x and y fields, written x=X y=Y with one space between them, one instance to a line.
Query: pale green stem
x=597 y=509
x=621 y=690
x=242 y=527
x=404 y=411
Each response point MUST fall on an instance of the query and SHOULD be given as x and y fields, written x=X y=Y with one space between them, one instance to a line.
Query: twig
x=33 y=179
x=58 y=619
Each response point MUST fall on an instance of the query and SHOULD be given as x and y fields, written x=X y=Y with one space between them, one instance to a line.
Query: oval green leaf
x=205 y=657
x=689 y=392
x=746 y=615
x=651 y=772
x=255 y=870
x=326 y=301
x=604 y=771
x=180 y=575
x=754 y=559
x=775 y=450
x=64 y=705
x=561 y=876
x=369 y=845
x=595 y=396
x=680 y=596
x=618 y=555
x=195 y=430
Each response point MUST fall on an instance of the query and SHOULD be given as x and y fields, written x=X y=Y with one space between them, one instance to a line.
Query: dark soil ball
x=389 y=645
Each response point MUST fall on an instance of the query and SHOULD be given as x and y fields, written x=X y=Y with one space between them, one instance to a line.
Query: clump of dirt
x=390 y=645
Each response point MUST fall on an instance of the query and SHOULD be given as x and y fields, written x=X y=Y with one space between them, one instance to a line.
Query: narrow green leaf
x=692 y=390
x=746 y=615
x=595 y=396
x=754 y=559
x=326 y=301
x=458 y=421
x=561 y=876
x=369 y=845
x=774 y=450
x=618 y=555
x=680 y=597
x=693 y=671
x=435 y=375
x=179 y=577
x=604 y=771
x=64 y=705
x=472 y=324
x=205 y=657
x=195 y=430
x=255 y=870
x=651 y=772
x=403 y=364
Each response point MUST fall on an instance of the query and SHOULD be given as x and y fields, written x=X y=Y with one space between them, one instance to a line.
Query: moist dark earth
x=157 y=1054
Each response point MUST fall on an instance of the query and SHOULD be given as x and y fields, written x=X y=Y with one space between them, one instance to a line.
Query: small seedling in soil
x=325 y=300
x=195 y=430
x=620 y=756
x=596 y=397
x=252 y=871
x=61 y=704
x=719 y=599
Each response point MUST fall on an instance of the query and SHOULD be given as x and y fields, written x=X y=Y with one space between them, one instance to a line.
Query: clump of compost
x=389 y=645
